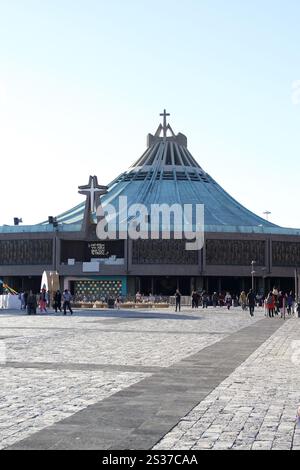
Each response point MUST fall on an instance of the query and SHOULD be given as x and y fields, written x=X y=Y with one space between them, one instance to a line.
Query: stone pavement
x=148 y=379
x=255 y=407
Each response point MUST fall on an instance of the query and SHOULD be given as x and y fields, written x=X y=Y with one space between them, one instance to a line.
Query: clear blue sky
x=83 y=82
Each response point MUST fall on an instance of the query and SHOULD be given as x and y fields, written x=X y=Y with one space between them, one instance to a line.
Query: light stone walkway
x=156 y=339
x=255 y=407
x=50 y=368
x=34 y=399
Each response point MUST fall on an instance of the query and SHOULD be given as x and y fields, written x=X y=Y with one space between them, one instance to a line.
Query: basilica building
x=239 y=248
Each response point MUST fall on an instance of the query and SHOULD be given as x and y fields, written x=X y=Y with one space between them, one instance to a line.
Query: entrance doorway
x=165 y=285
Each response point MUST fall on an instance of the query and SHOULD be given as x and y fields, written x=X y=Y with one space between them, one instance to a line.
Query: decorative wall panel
x=286 y=253
x=25 y=252
x=235 y=252
x=162 y=252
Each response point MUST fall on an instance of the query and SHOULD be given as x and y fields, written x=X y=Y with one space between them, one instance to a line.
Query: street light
x=53 y=221
x=296 y=284
x=267 y=213
x=252 y=273
x=263 y=271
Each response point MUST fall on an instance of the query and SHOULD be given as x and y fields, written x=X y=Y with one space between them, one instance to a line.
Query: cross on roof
x=165 y=125
x=93 y=190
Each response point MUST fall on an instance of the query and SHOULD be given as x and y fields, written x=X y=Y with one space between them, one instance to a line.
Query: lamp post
x=53 y=221
x=252 y=273
x=267 y=213
x=263 y=270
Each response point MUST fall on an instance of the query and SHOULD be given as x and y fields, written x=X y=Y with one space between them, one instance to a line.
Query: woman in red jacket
x=270 y=303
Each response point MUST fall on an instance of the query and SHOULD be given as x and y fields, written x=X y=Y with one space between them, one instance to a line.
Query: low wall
x=125 y=305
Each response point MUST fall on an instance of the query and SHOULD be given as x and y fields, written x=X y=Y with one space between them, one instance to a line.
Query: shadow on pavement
x=109 y=313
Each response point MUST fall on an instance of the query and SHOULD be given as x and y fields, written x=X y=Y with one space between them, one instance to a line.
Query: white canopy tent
x=10 y=301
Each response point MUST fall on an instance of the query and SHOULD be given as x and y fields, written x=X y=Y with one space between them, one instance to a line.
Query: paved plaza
x=149 y=379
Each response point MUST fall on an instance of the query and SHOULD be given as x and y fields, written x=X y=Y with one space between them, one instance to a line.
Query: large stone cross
x=93 y=190
x=165 y=125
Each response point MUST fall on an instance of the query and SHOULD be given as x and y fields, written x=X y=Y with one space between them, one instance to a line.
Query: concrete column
x=128 y=260
x=131 y=287
x=54 y=235
x=200 y=283
x=270 y=256
x=259 y=283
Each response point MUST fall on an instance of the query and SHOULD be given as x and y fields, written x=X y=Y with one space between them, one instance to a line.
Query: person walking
x=67 y=297
x=228 y=300
x=243 y=300
x=31 y=304
x=281 y=303
x=251 y=299
x=48 y=299
x=43 y=301
x=205 y=300
x=21 y=298
x=290 y=302
x=276 y=294
x=177 y=300
x=118 y=302
x=25 y=300
x=194 y=299
x=215 y=299
x=57 y=301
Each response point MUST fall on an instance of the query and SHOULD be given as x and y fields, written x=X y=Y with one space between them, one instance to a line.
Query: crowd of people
x=31 y=302
x=275 y=302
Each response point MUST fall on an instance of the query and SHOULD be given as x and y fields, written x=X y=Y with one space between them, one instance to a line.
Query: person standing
x=215 y=299
x=25 y=300
x=177 y=300
x=280 y=303
x=221 y=299
x=276 y=294
x=194 y=299
x=228 y=300
x=118 y=302
x=57 y=301
x=43 y=301
x=31 y=304
x=251 y=299
x=67 y=297
x=204 y=300
x=243 y=300
x=290 y=302
x=270 y=303
x=48 y=298
x=138 y=297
